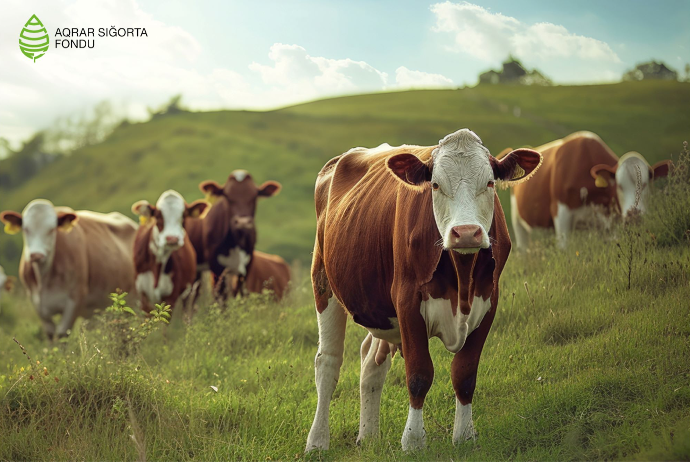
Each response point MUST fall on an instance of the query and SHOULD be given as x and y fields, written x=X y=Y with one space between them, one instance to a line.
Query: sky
x=231 y=54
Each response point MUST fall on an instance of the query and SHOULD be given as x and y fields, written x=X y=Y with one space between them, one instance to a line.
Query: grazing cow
x=164 y=258
x=229 y=234
x=579 y=170
x=71 y=260
x=268 y=272
x=411 y=241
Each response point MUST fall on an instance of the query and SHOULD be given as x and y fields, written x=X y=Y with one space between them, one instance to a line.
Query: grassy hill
x=588 y=358
x=290 y=145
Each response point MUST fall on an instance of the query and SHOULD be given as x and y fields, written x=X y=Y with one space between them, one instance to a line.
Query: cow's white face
x=463 y=192
x=169 y=233
x=461 y=175
x=632 y=185
x=39 y=228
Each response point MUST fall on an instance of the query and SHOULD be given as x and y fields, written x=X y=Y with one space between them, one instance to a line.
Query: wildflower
x=577 y=253
x=31 y=377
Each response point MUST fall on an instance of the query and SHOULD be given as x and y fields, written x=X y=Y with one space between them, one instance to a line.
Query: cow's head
x=167 y=219
x=233 y=208
x=630 y=178
x=39 y=222
x=462 y=175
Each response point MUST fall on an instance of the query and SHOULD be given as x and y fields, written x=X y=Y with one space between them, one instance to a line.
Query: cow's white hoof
x=414 y=436
x=469 y=434
x=317 y=441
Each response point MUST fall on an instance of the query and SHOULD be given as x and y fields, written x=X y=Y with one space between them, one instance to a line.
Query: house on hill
x=651 y=70
x=514 y=73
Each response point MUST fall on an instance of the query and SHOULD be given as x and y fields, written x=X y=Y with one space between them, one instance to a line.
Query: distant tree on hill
x=651 y=70
x=514 y=72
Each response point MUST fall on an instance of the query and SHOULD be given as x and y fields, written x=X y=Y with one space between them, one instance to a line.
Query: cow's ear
x=67 y=221
x=144 y=210
x=12 y=221
x=211 y=190
x=409 y=169
x=270 y=188
x=603 y=174
x=661 y=169
x=504 y=153
x=516 y=166
x=197 y=208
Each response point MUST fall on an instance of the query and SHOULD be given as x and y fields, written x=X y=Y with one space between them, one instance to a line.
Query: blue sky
x=388 y=34
x=267 y=54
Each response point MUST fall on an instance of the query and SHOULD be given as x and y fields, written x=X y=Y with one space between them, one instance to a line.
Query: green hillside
x=290 y=145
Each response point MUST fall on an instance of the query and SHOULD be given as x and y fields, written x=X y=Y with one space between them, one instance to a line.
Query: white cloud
x=492 y=36
x=305 y=76
x=139 y=72
x=406 y=78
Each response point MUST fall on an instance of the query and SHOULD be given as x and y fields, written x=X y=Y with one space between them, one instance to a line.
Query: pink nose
x=37 y=257
x=243 y=222
x=466 y=237
x=172 y=240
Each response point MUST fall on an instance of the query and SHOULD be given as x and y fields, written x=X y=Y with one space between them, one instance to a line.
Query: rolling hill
x=290 y=145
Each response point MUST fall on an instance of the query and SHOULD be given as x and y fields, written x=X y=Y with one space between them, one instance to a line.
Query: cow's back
x=270 y=272
x=359 y=203
x=564 y=173
x=109 y=243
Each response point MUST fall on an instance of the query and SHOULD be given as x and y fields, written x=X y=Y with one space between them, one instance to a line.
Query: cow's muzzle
x=37 y=257
x=242 y=223
x=466 y=237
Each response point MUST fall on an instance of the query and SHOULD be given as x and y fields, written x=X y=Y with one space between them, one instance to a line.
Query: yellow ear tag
x=11 y=228
x=68 y=227
x=211 y=198
x=601 y=182
x=143 y=220
x=518 y=173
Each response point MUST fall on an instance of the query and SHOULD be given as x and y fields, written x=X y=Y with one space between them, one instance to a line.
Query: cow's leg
x=371 y=381
x=48 y=328
x=329 y=358
x=563 y=223
x=69 y=316
x=419 y=370
x=519 y=230
x=464 y=377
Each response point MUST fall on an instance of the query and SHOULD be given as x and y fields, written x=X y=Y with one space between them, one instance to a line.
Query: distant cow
x=72 y=260
x=228 y=233
x=411 y=241
x=164 y=258
x=268 y=272
x=6 y=282
x=579 y=170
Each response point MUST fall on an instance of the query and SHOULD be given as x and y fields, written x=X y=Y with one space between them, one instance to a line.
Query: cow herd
x=410 y=242
x=72 y=260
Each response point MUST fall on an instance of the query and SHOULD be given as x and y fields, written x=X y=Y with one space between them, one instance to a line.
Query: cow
x=164 y=258
x=411 y=241
x=228 y=230
x=72 y=260
x=6 y=282
x=268 y=272
x=579 y=170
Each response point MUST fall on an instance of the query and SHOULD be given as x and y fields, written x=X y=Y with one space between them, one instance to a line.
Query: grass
x=576 y=367
x=579 y=368
x=290 y=145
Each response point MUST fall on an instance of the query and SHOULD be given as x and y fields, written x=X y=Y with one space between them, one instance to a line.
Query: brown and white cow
x=229 y=232
x=411 y=241
x=6 y=283
x=579 y=170
x=268 y=272
x=71 y=260
x=164 y=258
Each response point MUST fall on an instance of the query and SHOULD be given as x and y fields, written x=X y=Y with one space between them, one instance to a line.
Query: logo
x=34 y=40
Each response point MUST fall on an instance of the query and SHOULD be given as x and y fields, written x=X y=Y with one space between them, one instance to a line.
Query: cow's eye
x=435 y=186
x=491 y=184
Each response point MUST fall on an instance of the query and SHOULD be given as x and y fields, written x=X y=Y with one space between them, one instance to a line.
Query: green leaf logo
x=34 y=40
